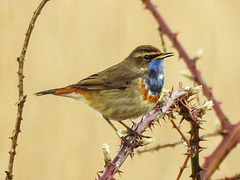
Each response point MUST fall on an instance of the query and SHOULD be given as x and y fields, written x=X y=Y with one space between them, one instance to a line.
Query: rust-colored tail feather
x=59 y=91
x=51 y=91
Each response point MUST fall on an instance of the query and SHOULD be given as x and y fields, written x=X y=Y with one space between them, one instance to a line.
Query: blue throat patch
x=155 y=78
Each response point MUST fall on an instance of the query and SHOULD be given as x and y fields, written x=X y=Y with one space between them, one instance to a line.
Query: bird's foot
x=137 y=135
x=133 y=138
x=127 y=141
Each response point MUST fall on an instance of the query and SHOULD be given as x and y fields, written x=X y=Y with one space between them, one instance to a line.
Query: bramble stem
x=165 y=29
x=22 y=97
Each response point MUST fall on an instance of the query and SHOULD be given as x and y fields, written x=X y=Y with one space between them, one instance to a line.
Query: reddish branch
x=165 y=29
x=193 y=115
x=22 y=97
x=179 y=131
x=232 y=132
x=184 y=166
x=125 y=150
x=236 y=177
x=229 y=141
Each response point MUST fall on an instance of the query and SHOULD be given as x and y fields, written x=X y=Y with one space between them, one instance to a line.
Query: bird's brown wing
x=115 y=77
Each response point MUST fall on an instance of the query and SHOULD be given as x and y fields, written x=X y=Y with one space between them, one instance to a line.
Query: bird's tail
x=59 y=91
x=51 y=91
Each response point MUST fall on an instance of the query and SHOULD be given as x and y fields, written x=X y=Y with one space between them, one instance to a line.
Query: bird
x=124 y=91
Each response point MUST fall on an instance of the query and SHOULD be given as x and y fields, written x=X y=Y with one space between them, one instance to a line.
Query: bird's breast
x=147 y=95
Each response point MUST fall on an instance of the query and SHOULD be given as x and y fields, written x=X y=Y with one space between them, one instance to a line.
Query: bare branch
x=184 y=166
x=162 y=40
x=235 y=177
x=165 y=29
x=173 y=144
x=158 y=147
x=230 y=139
x=180 y=132
x=22 y=97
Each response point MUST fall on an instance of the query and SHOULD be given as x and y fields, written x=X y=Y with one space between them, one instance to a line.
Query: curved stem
x=22 y=97
x=165 y=29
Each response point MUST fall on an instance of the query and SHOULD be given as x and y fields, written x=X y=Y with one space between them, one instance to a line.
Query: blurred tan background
x=62 y=138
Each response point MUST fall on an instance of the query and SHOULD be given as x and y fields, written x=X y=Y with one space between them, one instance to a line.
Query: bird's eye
x=147 y=57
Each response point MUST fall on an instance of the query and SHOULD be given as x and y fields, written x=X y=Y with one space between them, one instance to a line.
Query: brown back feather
x=116 y=77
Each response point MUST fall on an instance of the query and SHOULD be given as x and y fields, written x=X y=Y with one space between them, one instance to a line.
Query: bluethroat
x=126 y=90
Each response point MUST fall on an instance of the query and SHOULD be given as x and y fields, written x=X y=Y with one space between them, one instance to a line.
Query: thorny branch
x=165 y=29
x=22 y=97
x=194 y=117
x=125 y=150
x=231 y=132
x=229 y=141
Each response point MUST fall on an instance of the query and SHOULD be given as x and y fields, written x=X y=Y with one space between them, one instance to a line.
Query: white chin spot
x=160 y=76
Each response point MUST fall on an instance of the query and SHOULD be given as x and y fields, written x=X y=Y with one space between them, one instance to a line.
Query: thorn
x=181 y=120
x=180 y=84
x=205 y=158
x=150 y=128
x=193 y=98
x=153 y=124
x=164 y=118
x=98 y=174
x=119 y=172
x=175 y=35
x=202 y=139
x=131 y=155
x=203 y=148
x=179 y=56
x=11 y=137
x=133 y=122
x=187 y=153
x=12 y=152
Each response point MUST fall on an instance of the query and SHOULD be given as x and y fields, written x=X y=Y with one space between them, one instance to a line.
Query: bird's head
x=148 y=60
x=145 y=56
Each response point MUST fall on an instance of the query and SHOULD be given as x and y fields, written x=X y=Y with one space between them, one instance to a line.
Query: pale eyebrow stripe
x=146 y=53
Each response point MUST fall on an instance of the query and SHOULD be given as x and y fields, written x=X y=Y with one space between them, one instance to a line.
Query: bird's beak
x=164 y=55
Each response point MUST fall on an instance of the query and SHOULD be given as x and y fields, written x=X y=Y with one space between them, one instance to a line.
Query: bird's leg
x=111 y=124
x=115 y=129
